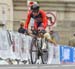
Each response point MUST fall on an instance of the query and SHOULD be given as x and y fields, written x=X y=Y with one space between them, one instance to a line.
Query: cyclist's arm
x=47 y=36
x=44 y=18
x=27 y=21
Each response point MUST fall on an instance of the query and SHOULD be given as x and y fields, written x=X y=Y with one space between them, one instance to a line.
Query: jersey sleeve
x=27 y=20
x=44 y=18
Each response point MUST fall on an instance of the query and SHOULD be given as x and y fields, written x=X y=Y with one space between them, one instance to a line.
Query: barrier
x=14 y=45
x=67 y=55
x=53 y=54
x=20 y=46
x=4 y=45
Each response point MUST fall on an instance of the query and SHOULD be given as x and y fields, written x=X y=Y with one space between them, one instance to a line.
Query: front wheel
x=34 y=51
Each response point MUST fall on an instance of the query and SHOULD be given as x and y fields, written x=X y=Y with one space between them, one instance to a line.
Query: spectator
x=72 y=41
x=21 y=29
x=55 y=36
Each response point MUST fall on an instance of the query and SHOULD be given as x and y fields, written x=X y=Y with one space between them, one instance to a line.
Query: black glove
x=34 y=32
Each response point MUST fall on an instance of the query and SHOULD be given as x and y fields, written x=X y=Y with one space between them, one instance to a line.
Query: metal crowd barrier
x=14 y=45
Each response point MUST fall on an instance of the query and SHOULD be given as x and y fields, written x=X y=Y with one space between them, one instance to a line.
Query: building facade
x=6 y=14
x=14 y=11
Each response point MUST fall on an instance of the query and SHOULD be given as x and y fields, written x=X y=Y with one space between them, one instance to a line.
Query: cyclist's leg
x=39 y=61
x=37 y=25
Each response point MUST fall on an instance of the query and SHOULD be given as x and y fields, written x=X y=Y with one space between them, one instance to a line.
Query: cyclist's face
x=35 y=13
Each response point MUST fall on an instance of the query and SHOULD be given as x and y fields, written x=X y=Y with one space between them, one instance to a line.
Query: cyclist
x=39 y=17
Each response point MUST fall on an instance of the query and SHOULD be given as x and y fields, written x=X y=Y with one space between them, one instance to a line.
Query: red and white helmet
x=30 y=3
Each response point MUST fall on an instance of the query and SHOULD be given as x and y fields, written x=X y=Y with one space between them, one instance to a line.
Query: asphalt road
x=37 y=66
